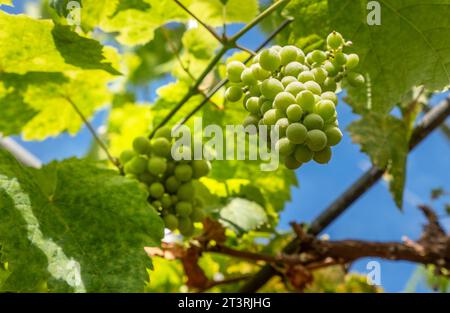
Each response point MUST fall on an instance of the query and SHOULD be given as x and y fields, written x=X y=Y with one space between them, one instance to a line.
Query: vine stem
x=207 y=27
x=227 y=44
x=100 y=142
x=429 y=122
x=258 y=19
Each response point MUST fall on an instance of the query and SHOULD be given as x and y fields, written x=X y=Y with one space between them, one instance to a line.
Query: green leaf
x=199 y=43
x=407 y=49
x=135 y=27
x=85 y=230
x=243 y=215
x=385 y=139
x=215 y=13
x=28 y=45
x=42 y=101
x=310 y=22
x=131 y=4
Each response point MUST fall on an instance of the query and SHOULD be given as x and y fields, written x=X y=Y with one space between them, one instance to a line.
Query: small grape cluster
x=283 y=87
x=170 y=183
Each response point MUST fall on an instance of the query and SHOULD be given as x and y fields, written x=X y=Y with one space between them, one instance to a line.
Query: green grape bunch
x=170 y=183
x=296 y=92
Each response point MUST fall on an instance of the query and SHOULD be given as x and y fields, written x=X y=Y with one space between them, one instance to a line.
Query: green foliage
x=28 y=45
x=243 y=215
x=71 y=219
x=385 y=140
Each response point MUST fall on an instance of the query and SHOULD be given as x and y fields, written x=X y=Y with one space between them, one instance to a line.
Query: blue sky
x=373 y=217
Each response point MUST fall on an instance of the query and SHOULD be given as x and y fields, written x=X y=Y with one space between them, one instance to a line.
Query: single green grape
x=197 y=215
x=166 y=201
x=329 y=95
x=161 y=147
x=295 y=88
x=288 y=54
x=183 y=208
x=331 y=69
x=266 y=106
x=329 y=84
x=303 y=154
x=156 y=190
x=335 y=40
x=259 y=72
x=334 y=135
x=147 y=178
x=233 y=93
x=320 y=74
x=326 y=109
x=234 y=71
x=313 y=121
x=294 y=113
x=164 y=132
x=296 y=133
x=313 y=87
x=283 y=100
x=352 y=61
x=318 y=56
x=323 y=156
x=284 y=147
x=126 y=156
x=305 y=76
x=292 y=163
x=185 y=226
x=254 y=90
x=340 y=59
x=300 y=56
x=293 y=69
x=270 y=60
x=271 y=87
x=141 y=145
x=137 y=165
x=171 y=221
x=172 y=184
x=286 y=80
x=316 y=140
x=248 y=77
x=305 y=99
x=157 y=205
x=183 y=172
x=272 y=116
x=186 y=192
x=157 y=166
x=282 y=125
x=200 y=168
x=355 y=79
x=252 y=105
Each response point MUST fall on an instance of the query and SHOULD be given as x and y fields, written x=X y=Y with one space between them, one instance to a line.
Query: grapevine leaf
x=215 y=13
x=28 y=45
x=413 y=32
x=85 y=231
x=243 y=215
x=131 y=4
x=35 y=97
x=407 y=49
x=385 y=139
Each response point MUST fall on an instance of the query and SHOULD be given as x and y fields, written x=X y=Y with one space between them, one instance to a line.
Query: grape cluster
x=169 y=182
x=284 y=87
